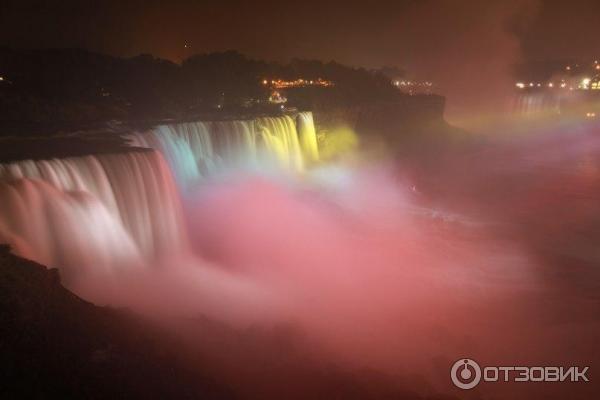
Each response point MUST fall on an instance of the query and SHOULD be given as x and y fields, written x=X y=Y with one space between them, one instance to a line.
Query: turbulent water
x=379 y=268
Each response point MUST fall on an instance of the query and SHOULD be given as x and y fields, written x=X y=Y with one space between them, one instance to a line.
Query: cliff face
x=402 y=117
x=420 y=112
x=56 y=345
x=410 y=126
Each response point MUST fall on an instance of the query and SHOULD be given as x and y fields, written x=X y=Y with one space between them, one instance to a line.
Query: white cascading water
x=532 y=104
x=103 y=210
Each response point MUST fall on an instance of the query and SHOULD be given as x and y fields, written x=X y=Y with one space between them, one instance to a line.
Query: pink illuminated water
x=114 y=210
x=489 y=253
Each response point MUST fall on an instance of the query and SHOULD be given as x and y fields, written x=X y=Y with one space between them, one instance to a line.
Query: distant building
x=413 y=87
x=277 y=98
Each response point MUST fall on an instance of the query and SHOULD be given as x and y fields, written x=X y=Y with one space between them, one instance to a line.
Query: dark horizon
x=461 y=46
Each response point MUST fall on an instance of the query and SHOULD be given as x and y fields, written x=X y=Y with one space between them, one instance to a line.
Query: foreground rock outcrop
x=55 y=345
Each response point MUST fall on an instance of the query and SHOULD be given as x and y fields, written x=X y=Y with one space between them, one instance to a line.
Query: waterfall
x=118 y=210
x=308 y=137
x=108 y=209
x=187 y=147
x=531 y=104
x=70 y=230
x=197 y=149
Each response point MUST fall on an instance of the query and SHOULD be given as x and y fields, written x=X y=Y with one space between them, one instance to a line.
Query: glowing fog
x=356 y=256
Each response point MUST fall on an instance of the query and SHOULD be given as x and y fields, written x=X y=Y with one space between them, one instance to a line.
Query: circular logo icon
x=465 y=373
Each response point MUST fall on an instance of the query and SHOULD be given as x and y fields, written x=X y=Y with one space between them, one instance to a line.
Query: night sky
x=463 y=46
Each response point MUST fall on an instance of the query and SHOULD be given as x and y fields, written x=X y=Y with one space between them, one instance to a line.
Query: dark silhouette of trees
x=74 y=85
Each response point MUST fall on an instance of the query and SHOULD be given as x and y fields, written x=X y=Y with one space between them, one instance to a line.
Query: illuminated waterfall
x=119 y=210
x=235 y=142
x=308 y=137
x=187 y=148
x=532 y=104
x=107 y=209
x=70 y=230
x=197 y=149
x=280 y=139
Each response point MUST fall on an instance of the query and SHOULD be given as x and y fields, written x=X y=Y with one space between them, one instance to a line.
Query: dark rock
x=53 y=344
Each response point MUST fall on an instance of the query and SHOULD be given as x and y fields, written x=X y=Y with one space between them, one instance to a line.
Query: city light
x=277 y=98
x=414 y=87
x=300 y=82
x=580 y=77
x=585 y=83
